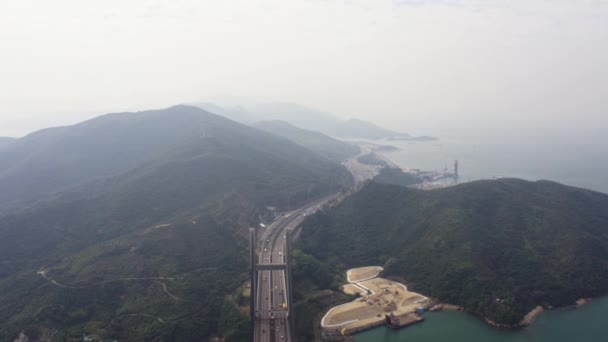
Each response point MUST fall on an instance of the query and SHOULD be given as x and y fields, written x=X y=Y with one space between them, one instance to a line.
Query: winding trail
x=164 y=286
x=144 y=315
x=43 y=274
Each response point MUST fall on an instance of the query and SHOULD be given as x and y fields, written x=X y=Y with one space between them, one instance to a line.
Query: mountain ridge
x=105 y=256
x=55 y=159
x=320 y=143
x=307 y=118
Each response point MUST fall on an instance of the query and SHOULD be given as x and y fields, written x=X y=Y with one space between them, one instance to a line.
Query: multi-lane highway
x=272 y=320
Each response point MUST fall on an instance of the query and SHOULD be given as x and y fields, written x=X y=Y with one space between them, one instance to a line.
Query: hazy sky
x=422 y=66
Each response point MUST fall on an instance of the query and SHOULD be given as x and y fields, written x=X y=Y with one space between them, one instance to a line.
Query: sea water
x=586 y=324
x=577 y=163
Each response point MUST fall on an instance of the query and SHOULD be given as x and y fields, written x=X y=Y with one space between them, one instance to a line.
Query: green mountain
x=319 y=143
x=152 y=246
x=395 y=176
x=498 y=248
x=55 y=159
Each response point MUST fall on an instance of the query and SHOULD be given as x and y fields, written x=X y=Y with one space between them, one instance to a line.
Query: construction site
x=381 y=302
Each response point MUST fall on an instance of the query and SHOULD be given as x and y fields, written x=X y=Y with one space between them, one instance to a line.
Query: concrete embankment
x=379 y=297
x=349 y=330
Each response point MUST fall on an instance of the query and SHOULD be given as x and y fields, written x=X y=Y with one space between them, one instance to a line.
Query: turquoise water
x=586 y=324
x=581 y=163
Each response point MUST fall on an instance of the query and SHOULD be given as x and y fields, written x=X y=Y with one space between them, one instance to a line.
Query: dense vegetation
x=396 y=176
x=497 y=248
x=371 y=159
x=319 y=143
x=316 y=289
x=153 y=252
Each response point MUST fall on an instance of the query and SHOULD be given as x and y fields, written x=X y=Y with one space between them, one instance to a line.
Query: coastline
x=377 y=297
x=531 y=316
x=527 y=320
x=390 y=163
x=560 y=325
x=445 y=307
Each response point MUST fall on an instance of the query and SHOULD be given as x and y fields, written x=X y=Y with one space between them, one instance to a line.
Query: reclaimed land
x=378 y=297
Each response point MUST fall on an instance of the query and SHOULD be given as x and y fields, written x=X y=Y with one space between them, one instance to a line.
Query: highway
x=272 y=321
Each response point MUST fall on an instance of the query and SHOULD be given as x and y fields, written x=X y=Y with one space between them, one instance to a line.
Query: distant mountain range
x=319 y=143
x=132 y=226
x=309 y=119
x=497 y=248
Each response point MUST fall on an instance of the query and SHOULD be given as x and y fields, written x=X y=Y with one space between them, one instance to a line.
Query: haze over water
x=578 y=162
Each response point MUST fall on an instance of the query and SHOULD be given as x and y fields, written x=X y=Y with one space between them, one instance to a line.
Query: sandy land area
x=351 y=289
x=451 y=307
x=362 y=172
x=382 y=297
x=530 y=316
x=356 y=275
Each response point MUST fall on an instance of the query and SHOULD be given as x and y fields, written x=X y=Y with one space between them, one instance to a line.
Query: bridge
x=271 y=297
x=272 y=310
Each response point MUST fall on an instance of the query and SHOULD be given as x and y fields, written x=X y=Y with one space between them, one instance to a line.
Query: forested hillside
x=319 y=143
x=396 y=176
x=497 y=248
x=60 y=158
x=150 y=248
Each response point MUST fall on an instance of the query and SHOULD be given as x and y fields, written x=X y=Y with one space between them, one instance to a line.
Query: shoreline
x=533 y=314
x=381 y=295
x=526 y=321
x=563 y=325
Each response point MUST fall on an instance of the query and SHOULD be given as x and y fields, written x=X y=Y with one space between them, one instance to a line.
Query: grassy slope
x=527 y=243
x=206 y=187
